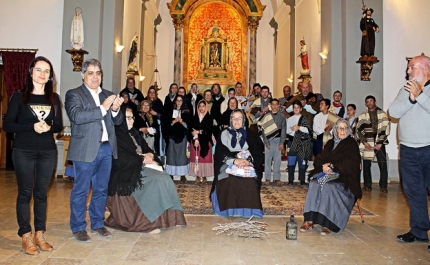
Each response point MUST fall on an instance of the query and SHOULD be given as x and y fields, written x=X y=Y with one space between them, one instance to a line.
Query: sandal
x=183 y=179
x=325 y=231
x=306 y=226
x=205 y=180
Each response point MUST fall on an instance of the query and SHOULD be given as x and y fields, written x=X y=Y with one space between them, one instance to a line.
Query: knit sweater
x=414 y=128
x=20 y=119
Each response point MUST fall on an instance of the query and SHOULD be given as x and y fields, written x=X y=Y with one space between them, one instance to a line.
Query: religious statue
x=215 y=50
x=368 y=28
x=77 y=32
x=304 y=58
x=132 y=67
x=215 y=55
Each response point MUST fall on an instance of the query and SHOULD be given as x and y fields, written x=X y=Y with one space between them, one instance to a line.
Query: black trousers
x=381 y=156
x=33 y=171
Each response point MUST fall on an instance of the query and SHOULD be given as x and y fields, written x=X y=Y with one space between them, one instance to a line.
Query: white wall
x=165 y=48
x=406 y=25
x=265 y=48
x=33 y=25
x=131 y=26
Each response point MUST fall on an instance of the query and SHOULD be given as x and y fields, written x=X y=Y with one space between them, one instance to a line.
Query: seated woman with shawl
x=334 y=182
x=237 y=167
x=141 y=198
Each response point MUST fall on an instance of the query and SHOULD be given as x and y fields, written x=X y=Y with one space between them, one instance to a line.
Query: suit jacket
x=86 y=122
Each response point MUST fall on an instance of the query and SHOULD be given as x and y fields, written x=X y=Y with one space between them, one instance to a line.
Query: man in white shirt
x=93 y=112
x=320 y=127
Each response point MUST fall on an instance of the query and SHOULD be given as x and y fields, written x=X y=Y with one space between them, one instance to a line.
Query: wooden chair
x=358 y=202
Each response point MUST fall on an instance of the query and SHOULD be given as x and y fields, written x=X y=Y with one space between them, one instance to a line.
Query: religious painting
x=215 y=45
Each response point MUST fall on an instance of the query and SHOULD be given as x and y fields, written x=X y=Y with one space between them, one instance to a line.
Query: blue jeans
x=95 y=174
x=415 y=168
x=29 y=163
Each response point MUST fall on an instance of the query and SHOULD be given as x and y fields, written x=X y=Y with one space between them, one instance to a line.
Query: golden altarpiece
x=215 y=44
x=215 y=54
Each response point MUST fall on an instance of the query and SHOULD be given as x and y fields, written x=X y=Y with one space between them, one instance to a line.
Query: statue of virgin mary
x=77 y=33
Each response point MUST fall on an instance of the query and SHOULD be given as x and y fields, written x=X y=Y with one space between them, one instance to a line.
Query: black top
x=20 y=119
x=136 y=94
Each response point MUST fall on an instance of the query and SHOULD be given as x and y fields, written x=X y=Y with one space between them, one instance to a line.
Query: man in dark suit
x=93 y=112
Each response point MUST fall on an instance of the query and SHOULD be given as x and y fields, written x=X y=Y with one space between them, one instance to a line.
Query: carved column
x=178 y=22
x=252 y=25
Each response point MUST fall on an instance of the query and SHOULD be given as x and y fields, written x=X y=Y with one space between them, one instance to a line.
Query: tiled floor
x=373 y=242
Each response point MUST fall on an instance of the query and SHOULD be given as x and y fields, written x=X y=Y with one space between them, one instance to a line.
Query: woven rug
x=277 y=200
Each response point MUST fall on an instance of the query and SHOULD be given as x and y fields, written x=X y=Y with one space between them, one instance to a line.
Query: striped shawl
x=364 y=132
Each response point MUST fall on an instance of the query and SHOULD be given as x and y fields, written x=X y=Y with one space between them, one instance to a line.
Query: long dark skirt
x=330 y=207
x=155 y=205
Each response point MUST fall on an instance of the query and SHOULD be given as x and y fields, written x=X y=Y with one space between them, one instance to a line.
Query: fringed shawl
x=125 y=174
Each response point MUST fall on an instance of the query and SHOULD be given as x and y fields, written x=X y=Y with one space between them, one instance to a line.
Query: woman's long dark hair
x=49 y=86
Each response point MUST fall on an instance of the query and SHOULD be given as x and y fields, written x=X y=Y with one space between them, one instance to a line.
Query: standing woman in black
x=177 y=162
x=34 y=114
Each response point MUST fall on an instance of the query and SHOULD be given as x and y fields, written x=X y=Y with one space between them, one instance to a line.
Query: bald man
x=412 y=108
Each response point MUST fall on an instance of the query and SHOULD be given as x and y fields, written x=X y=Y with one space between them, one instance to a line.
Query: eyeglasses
x=237 y=119
x=342 y=128
x=129 y=118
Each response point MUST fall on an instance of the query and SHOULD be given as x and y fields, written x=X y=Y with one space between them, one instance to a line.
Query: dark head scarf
x=237 y=133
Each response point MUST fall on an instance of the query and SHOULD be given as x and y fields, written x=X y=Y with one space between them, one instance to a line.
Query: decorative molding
x=253 y=23
x=77 y=57
x=366 y=67
x=178 y=22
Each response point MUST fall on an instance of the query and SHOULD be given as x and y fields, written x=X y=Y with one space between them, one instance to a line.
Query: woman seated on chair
x=142 y=197
x=334 y=183
x=237 y=168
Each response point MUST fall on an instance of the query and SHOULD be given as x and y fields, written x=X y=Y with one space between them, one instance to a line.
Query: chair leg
x=358 y=202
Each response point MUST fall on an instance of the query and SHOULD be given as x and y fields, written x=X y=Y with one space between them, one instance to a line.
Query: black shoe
x=302 y=183
x=290 y=183
x=428 y=248
x=366 y=188
x=82 y=236
x=102 y=231
x=409 y=238
x=384 y=190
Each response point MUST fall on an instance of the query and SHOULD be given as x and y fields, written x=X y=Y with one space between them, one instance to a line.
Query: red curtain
x=15 y=65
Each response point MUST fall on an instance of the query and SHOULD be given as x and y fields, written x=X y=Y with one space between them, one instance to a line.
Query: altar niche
x=215 y=56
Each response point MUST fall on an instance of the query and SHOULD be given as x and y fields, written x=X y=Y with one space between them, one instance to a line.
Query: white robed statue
x=77 y=32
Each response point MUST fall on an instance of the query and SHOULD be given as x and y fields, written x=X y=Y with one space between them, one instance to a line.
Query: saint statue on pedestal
x=77 y=31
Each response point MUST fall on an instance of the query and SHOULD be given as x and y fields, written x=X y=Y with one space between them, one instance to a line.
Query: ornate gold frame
x=181 y=10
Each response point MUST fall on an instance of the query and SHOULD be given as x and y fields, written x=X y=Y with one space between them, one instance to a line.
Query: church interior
x=159 y=42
